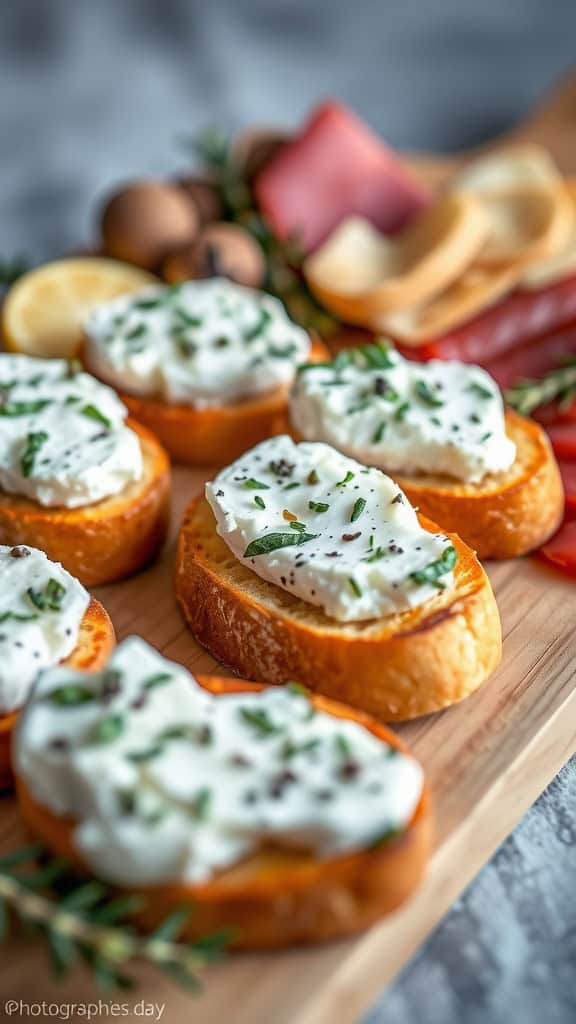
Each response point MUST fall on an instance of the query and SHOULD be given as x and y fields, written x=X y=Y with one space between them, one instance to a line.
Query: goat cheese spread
x=169 y=783
x=328 y=530
x=41 y=608
x=405 y=417
x=63 y=440
x=199 y=343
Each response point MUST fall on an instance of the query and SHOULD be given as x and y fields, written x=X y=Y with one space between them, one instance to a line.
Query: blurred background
x=94 y=92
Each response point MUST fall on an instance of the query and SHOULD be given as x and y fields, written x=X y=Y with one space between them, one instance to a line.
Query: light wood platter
x=487 y=760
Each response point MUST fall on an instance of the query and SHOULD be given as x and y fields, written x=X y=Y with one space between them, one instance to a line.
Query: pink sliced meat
x=499 y=330
x=334 y=168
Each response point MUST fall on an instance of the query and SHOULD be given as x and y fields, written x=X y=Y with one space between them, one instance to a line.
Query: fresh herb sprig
x=434 y=572
x=557 y=385
x=283 y=257
x=86 y=922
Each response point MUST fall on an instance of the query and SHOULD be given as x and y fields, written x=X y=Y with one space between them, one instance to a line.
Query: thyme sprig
x=557 y=385
x=85 y=921
x=283 y=257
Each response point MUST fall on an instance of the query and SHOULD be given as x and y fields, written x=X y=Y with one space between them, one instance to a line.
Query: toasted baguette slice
x=394 y=668
x=217 y=435
x=278 y=897
x=103 y=542
x=507 y=514
x=95 y=643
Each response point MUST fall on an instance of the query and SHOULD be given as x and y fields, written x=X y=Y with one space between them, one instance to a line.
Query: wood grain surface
x=487 y=760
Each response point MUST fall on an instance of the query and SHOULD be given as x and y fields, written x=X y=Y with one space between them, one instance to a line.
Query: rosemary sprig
x=283 y=257
x=557 y=385
x=85 y=921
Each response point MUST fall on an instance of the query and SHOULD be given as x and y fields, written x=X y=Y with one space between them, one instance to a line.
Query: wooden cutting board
x=487 y=760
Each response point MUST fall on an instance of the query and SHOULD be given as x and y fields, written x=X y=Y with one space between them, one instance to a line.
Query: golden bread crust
x=104 y=542
x=276 y=897
x=395 y=668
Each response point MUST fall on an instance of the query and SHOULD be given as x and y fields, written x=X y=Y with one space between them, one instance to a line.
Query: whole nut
x=145 y=220
x=204 y=196
x=222 y=250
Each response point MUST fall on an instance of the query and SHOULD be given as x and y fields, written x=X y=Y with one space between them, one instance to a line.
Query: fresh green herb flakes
x=92 y=413
x=34 y=443
x=49 y=599
x=358 y=508
x=433 y=573
x=274 y=541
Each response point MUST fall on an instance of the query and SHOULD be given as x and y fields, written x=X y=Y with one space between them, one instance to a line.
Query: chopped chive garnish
x=34 y=443
x=108 y=729
x=23 y=408
x=260 y=720
x=427 y=395
x=485 y=437
x=255 y=485
x=290 y=487
x=297 y=526
x=432 y=573
x=201 y=804
x=318 y=506
x=401 y=411
x=355 y=587
x=157 y=680
x=479 y=389
x=259 y=502
x=379 y=432
x=349 y=476
x=259 y=327
x=16 y=617
x=70 y=695
x=138 y=331
x=342 y=744
x=94 y=414
x=49 y=599
x=359 y=506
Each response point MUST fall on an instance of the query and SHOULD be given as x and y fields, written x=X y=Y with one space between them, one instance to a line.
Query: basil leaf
x=433 y=572
x=273 y=541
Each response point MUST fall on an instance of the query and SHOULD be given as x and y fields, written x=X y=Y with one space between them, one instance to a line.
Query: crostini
x=46 y=617
x=206 y=365
x=77 y=479
x=284 y=817
x=440 y=429
x=301 y=563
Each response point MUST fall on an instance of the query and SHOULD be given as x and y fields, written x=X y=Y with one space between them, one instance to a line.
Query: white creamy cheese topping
x=200 y=343
x=63 y=440
x=438 y=417
x=328 y=530
x=168 y=783
x=41 y=608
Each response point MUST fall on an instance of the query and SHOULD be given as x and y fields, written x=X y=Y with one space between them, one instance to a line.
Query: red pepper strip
x=561 y=550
